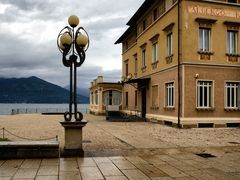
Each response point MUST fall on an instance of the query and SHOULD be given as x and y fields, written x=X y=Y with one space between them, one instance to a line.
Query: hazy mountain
x=33 y=90
x=80 y=91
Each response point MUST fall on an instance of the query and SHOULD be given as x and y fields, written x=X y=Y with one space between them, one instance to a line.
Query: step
x=29 y=149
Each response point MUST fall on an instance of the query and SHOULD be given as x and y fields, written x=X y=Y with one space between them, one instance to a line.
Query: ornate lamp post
x=73 y=43
x=77 y=44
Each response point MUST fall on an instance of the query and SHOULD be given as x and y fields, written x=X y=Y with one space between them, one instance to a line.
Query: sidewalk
x=120 y=150
x=161 y=164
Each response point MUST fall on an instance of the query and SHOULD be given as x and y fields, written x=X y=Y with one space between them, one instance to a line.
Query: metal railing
x=44 y=110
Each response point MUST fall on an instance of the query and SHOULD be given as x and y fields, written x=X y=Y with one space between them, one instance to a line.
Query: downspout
x=179 y=54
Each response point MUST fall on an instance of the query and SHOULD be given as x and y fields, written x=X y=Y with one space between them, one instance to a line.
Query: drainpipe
x=179 y=54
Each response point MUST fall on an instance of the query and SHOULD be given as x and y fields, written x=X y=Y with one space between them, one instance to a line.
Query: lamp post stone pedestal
x=76 y=43
x=73 y=138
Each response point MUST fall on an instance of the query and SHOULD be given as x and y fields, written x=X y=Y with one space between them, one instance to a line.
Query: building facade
x=105 y=96
x=181 y=62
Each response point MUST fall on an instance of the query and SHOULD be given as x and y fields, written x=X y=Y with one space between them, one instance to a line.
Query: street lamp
x=75 y=44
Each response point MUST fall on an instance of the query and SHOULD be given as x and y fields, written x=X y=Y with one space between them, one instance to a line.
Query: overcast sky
x=29 y=28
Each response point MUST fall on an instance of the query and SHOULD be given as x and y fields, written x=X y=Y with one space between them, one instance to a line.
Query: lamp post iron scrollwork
x=75 y=44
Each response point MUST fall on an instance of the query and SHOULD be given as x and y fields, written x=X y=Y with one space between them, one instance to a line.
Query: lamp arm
x=64 y=57
x=81 y=54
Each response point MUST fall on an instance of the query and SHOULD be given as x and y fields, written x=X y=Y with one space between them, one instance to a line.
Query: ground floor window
x=92 y=98
x=126 y=98
x=231 y=95
x=96 y=97
x=169 y=102
x=136 y=97
x=155 y=95
x=112 y=97
x=204 y=94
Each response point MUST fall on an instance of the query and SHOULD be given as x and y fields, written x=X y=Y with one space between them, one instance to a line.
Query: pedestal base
x=73 y=138
x=72 y=153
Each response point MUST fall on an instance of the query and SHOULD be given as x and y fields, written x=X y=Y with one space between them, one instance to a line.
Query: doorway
x=144 y=102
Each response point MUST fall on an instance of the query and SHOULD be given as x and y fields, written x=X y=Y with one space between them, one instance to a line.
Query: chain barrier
x=25 y=138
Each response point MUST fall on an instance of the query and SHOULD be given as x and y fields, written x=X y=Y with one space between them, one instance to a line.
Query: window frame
x=167 y=105
x=143 y=57
x=135 y=63
x=170 y=44
x=237 y=91
x=136 y=99
x=230 y=49
x=126 y=98
x=211 y=102
x=157 y=98
x=201 y=42
x=96 y=97
x=155 y=14
x=144 y=24
x=155 y=52
x=126 y=68
x=92 y=97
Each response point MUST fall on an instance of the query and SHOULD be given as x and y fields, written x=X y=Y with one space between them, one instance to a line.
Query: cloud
x=29 y=28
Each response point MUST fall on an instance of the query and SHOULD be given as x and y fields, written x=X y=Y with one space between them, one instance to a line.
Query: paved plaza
x=128 y=150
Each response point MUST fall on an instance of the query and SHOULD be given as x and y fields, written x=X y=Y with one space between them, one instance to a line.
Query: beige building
x=181 y=62
x=105 y=96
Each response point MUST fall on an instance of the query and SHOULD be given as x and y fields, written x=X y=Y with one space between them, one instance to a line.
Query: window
x=136 y=97
x=155 y=52
x=126 y=98
x=96 y=97
x=232 y=37
x=143 y=57
x=204 y=94
x=169 y=94
x=155 y=96
x=155 y=14
x=135 y=64
x=162 y=7
x=232 y=1
x=231 y=95
x=169 y=44
x=126 y=68
x=110 y=101
x=112 y=97
x=144 y=24
x=92 y=98
x=126 y=44
x=204 y=39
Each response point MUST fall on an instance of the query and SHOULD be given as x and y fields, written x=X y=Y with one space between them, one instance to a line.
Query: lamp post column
x=75 y=43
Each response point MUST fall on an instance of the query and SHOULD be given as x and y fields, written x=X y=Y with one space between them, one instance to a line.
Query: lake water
x=7 y=109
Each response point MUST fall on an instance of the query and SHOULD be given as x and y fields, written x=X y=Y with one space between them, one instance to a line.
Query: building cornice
x=211 y=65
x=216 y=2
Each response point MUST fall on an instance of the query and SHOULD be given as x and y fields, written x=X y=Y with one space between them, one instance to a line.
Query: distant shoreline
x=30 y=108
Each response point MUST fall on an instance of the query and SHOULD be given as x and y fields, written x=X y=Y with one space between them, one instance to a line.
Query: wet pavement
x=141 y=164
x=135 y=151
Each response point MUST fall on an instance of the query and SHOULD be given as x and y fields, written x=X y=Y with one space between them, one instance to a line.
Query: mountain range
x=34 y=90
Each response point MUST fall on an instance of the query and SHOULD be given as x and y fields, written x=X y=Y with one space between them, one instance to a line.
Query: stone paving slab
x=151 y=167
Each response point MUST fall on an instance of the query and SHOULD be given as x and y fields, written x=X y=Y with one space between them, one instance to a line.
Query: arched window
x=92 y=98
x=96 y=97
